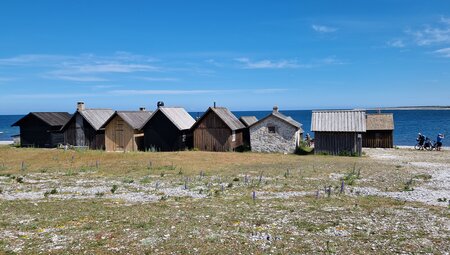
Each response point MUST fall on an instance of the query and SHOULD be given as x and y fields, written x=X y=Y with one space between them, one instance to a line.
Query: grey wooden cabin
x=84 y=129
x=338 y=132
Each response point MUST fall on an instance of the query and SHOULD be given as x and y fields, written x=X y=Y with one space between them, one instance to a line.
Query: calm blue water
x=407 y=123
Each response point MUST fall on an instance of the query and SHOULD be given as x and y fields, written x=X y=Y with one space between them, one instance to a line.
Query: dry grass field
x=72 y=202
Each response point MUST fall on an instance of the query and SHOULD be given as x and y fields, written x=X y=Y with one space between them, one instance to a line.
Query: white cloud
x=75 y=78
x=268 y=64
x=159 y=79
x=194 y=91
x=323 y=29
x=166 y=92
x=431 y=35
x=445 y=52
x=396 y=43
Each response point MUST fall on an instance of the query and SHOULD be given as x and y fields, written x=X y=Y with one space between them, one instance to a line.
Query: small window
x=271 y=129
x=183 y=138
x=233 y=137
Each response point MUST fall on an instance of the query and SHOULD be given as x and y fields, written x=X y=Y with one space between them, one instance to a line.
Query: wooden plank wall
x=80 y=133
x=336 y=143
x=119 y=136
x=378 y=139
x=212 y=134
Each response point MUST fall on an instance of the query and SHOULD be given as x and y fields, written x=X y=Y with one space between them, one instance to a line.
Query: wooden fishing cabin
x=123 y=130
x=42 y=129
x=338 y=132
x=84 y=129
x=168 y=129
x=380 y=131
x=218 y=130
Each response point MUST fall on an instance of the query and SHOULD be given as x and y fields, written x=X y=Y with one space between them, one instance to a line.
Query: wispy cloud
x=432 y=34
x=323 y=29
x=396 y=43
x=84 y=67
x=158 y=79
x=246 y=63
x=268 y=64
x=194 y=91
x=445 y=52
x=74 y=78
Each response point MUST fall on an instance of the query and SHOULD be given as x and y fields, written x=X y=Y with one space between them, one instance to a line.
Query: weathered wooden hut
x=84 y=129
x=42 y=129
x=338 y=132
x=275 y=133
x=168 y=129
x=380 y=131
x=247 y=121
x=218 y=130
x=123 y=130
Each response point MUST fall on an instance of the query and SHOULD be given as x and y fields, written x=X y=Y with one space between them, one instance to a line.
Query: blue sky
x=246 y=55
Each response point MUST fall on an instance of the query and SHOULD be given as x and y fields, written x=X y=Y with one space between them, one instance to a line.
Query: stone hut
x=275 y=133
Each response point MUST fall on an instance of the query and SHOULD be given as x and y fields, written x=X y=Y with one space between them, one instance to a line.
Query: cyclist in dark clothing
x=439 y=139
x=421 y=139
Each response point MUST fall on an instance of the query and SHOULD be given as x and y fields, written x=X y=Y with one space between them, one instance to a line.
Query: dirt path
x=430 y=183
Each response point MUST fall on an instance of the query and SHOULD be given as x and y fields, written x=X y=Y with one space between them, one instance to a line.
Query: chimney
x=142 y=109
x=80 y=106
x=160 y=104
x=214 y=104
x=275 y=108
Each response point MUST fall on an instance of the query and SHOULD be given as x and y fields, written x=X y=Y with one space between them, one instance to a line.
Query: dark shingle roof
x=380 y=121
x=339 y=121
x=54 y=119
x=248 y=120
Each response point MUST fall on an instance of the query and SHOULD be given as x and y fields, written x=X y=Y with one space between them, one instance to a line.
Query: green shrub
x=114 y=188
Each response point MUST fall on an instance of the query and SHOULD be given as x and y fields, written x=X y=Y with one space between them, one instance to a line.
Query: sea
x=407 y=123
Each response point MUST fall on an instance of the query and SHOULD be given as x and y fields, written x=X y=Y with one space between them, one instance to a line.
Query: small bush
x=303 y=149
x=424 y=177
x=351 y=177
x=99 y=194
x=230 y=185
x=114 y=188
x=236 y=179
x=128 y=180
x=19 y=179
x=408 y=185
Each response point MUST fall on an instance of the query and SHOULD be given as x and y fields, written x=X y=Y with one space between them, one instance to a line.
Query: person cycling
x=421 y=139
x=439 y=139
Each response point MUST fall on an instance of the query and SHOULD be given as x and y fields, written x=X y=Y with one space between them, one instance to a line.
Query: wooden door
x=118 y=136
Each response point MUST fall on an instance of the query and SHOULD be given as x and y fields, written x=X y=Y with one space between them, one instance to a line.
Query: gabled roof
x=54 y=119
x=177 y=115
x=226 y=116
x=95 y=117
x=339 y=121
x=133 y=118
x=248 y=120
x=282 y=117
x=380 y=121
